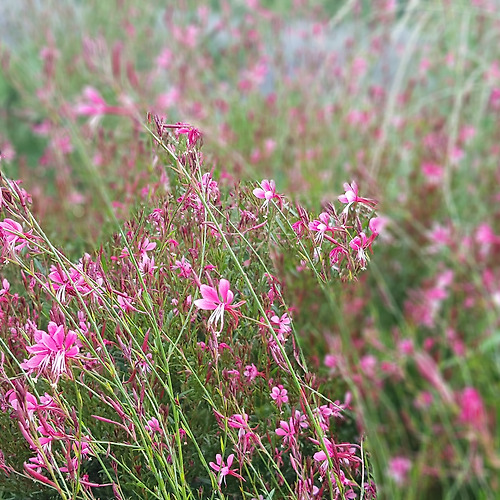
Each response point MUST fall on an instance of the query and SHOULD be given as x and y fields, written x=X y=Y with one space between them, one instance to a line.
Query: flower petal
x=259 y=193
x=223 y=289
x=209 y=293
x=206 y=305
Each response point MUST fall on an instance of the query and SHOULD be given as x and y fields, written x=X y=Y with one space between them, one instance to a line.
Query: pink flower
x=52 y=352
x=5 y=287
x=300 y=420
x=472 y=408
x=267 y=192
x=70 y=282
x=125 y=303
x=238 y=421
x=153 y=426
x=321 y=227
x=323 y=413
x=343 y=452
x=351 y=196
x=192 y=133
x=433 y=173
x=359 y=244
x=209 y=186
x=92 y=103
x=184 y=267
x=218 y=303
x=280 y=395
x=287 y=431
x=399 y=468
x=377 y=224
x=251 y=372
x=223 y=469
x=11 y=232
x=146 y=246
x=281 y=326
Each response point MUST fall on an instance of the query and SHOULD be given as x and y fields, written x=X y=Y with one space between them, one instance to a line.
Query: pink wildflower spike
x=52 y=352
x=218 y=303
x=223 y=469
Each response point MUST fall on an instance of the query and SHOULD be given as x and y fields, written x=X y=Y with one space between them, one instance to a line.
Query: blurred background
x=401 y=96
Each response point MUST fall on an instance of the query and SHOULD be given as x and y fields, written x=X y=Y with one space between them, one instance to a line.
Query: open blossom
x=267 y=192
x=5 y=287
x=83 y=279
x=27 y=405
x=184 y=267
x=282 y=326
x=345 y=453
x=321 y=226
x=153 y=425
x=280 y=395
x=192 y=133
x=209 y=186
x=351 y=196
x=360 y=243
x=224 y=469
x=146 y=246
x=52 y=351
x=218 y=303
x=287 y=431
x=11 y=233
x=251 y=372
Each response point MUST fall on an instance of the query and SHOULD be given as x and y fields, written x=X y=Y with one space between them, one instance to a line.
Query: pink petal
x=321 y=455
x=324 y=218
x=266 y=185
x=48 y=341
x=34 y=362
x=259 y=193
x=223 y=290
x=59 y=337
x=209 y=293
x=71 y=353
x=206 y=305
x=70 y=339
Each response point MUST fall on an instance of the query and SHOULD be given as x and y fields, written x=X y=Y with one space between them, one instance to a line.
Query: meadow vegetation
x=250 y=250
